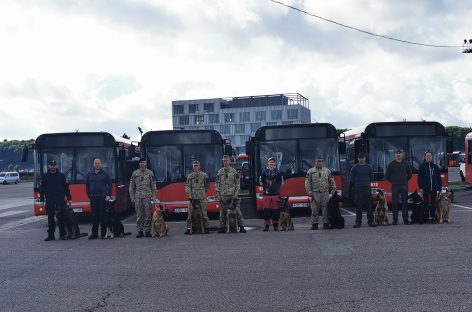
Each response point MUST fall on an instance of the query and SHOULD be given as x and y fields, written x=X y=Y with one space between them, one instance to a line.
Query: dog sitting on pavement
x=114 y=227
x=196 y=218
x=443 y=211
x=416 y=207
x=381 y=209
x=159 y=227
x=285 y=223
x=335 y=220
x=70 y=222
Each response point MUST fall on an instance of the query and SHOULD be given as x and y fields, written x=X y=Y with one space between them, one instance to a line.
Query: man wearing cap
x=318 y=184
x=361 y=176
x=271 y=180
x=227 y=187
x=54 y=189
x=142 y=190
x=398 y=174
x=196 y=186
x=98 y=187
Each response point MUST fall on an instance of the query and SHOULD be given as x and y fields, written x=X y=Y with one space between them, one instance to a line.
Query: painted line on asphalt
x=11 y=213
x=14 y=224
x=12 y=203
x=465 y=207
x=345 y=210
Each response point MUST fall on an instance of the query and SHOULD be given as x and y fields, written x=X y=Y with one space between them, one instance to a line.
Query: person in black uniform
x=54 y=189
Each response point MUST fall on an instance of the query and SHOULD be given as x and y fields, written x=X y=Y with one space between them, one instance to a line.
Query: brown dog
x=443 y=212
x=285 y=222
x=381 y=210
x=159 y=227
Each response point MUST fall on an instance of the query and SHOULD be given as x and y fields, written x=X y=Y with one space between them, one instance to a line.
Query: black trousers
x=429 y=205
x=98 y=205
x=363 y=199
x=54 y=204
x=402 y=190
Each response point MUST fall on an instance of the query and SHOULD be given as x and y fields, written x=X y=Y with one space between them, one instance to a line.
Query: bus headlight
x=259 y=196
x=376 y=191
x=211 y=199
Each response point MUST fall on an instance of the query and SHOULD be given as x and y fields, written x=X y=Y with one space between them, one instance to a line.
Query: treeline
x=457 y=135
x=10 y=155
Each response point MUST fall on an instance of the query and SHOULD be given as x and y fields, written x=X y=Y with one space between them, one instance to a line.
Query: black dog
x=71 y=224
x=416 y=208
x=334 y=215
x=114 y=227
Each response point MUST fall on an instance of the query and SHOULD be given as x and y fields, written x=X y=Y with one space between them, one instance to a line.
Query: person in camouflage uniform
x=318 y=184
x=227 y=187
x=196 y=186
x=142 y=190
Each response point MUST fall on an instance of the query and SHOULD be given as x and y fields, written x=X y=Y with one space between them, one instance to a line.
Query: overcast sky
x=97 y=65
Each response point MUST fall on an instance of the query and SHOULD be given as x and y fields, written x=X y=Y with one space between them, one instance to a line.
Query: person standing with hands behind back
x=430 y=184
x=398 y=174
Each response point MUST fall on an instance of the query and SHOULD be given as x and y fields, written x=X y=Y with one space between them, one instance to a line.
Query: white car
x=462 y=171
x=9 y=177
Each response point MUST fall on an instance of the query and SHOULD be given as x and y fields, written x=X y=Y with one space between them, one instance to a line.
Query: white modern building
x=239 y=117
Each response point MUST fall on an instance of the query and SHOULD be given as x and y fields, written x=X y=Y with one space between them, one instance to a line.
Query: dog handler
x=98 y=187
x=430 y=184
x=196 y=186
x=142 y=190
x=271 y=180
x=361 y=177
x=227 y=187
x=55 y=189
x=398 y=174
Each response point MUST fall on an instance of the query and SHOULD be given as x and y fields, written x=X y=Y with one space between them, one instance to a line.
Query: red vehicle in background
x=170 y=155
x=454 y=159
x=380 y=140
x=294 y=147
x=74 y=153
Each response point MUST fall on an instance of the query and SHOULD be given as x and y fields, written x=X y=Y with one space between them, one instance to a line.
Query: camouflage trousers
x=143 y=214
x=224 y=207
x=319 y=201
x=192 y=212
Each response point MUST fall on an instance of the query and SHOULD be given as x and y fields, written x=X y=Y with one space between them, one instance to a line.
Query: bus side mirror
x=248 y=148
x=342 y=148
x=132 y=151
x=24 y=154
x=121 y=155
x=228 y=150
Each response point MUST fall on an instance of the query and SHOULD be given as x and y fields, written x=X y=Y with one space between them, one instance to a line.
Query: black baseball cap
x=52 y=163
x=398 y=151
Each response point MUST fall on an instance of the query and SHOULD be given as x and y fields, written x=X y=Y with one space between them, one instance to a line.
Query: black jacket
x=429 y=178
x=54 y=185
x=398 y=172
x=271 y=181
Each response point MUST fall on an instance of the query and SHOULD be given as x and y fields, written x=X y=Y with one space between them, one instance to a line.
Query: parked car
x=9 y=177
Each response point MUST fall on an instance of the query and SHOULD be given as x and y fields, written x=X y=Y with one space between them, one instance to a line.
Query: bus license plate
x=295 y=205
x=78 y=210
x=180 y=209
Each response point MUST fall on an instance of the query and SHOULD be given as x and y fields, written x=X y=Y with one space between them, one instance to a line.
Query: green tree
x=125 y=136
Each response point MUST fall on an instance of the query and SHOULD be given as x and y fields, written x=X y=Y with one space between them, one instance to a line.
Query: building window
x=193 y=108
x=184 y=120
x=240 y=128
x=199 y=119
x=208 y=108
x=208 y=127
x=244 y=116
x=214 y=118
x=276 y=115
x=255 y=126
x=271 y=123
x=261 y=116
x=178 y=109
x=225 y=129
x=229 y=117
x=287 y=122
x=243 y=139
x=292 y=113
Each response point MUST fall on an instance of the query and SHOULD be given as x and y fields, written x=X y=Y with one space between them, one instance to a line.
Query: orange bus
x=74 y=153
x=170 y=154
x=294 y=147
x=380 y=140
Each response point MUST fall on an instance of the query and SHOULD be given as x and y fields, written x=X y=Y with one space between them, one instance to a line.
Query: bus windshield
x=172 y=163
x=326 y=148
x=74 y=163
x=420 y=145
x=283 y=151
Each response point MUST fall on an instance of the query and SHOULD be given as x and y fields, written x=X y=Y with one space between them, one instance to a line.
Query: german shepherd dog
x=196 y=218
x=285 y=222
x=381 y=209
x=114 y=227
x=335 y=220
x=416 y=207
x=159 y=227
x=443 y=212
x=232 y=225
x=70 y=222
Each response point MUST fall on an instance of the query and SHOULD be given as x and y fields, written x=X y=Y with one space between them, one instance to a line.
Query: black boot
x=139 y=235
x=314 y=226
x=242 y=229
x=222 y=230
x=266 y=228
x=325 y=226
x=357 y=225
x=49 y=238
x=148 y=234
x=188 y=232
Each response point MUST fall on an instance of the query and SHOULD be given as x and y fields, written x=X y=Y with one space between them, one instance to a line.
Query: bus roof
x=74 y=139
x=175 y=137
x=296 y=131
x=398 y=128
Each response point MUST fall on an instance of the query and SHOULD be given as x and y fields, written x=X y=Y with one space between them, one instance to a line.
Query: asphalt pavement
x=387 y=268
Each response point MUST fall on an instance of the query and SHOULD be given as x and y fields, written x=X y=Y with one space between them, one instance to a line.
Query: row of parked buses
x=170 y=155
